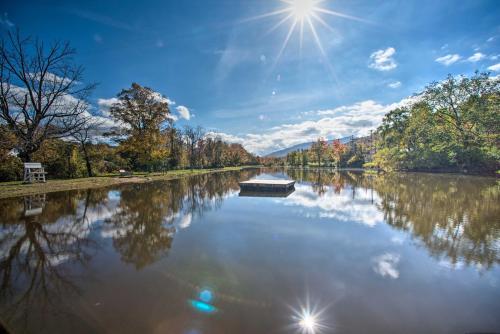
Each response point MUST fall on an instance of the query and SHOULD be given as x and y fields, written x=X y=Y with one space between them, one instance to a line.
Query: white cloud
x=228 y=138
x=495 y=67
x=382 y=60
x=476 y=57
x=105 y=104
x=185 y=221
x=448 y=59
x=395 y=84
x=491 y=39
x=183 y=112
x=163 y=99
x=386 y=265
x=339 y=206
x=357 y=119
x=262 y=117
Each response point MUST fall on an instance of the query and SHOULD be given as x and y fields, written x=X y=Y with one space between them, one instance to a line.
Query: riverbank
x=18 y=188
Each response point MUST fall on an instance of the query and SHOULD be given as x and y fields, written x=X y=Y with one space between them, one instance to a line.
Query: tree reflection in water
x=34 y=242
x=42 y=247
x=144 y=225
x=455 y=217
x=42 y=251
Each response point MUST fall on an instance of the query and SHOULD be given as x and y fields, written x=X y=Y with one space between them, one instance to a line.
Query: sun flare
x=304 y=15
x=302 y=8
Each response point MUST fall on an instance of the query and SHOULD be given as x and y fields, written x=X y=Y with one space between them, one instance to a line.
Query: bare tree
x=83 y=136
x=41 y=91
x=192 y=137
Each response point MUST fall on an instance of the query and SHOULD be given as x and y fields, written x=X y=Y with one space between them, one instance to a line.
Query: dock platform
x=267 y=185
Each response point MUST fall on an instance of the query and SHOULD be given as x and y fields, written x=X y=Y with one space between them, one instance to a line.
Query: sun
x=302 y=9
x=304 y=15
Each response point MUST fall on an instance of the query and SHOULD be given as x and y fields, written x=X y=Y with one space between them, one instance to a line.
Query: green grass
x=18 y=188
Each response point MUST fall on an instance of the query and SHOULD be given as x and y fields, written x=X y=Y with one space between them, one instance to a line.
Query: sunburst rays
x=303 y=15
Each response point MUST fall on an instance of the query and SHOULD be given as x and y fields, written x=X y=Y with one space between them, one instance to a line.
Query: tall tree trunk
x=25 y=156
x=87 y=160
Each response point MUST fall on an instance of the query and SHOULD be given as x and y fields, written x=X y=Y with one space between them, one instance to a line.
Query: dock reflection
x=248 y=193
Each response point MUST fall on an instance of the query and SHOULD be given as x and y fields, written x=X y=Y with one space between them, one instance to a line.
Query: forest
x=46 y=116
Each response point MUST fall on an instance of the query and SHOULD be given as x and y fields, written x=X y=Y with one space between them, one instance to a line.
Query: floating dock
x=267 y=185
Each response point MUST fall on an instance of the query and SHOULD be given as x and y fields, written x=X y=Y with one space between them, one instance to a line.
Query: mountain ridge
x=304 y=146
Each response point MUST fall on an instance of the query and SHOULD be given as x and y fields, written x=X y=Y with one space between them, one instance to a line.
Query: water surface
x=347 y=252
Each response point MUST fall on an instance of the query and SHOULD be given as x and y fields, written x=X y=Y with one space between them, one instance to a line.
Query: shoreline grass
x=18 y=188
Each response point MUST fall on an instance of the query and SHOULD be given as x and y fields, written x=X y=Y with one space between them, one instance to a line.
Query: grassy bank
x=17 y=188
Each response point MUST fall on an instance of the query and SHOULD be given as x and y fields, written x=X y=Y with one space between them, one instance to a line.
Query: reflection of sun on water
x=308 y=323
x=308 y=319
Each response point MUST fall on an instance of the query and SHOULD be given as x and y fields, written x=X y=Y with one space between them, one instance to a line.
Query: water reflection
x=35 y=240
x=457 y=218
x=45 y=239
x=247 y=193
x=49 y=244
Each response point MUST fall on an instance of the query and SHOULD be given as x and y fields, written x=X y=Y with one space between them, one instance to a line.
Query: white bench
x=34 y=172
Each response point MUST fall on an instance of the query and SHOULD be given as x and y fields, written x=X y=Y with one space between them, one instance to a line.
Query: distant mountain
x=305 y=146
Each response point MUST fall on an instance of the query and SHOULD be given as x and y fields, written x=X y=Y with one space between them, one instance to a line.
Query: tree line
x=452 y=125
x=45 y=117
x=353 y=153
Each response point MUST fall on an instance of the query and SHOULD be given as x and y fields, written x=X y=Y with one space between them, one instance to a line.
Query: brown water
x=345 y=253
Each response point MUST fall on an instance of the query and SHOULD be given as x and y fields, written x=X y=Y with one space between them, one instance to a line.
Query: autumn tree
x=42 y=94
x=338 y=149
x=142 y=112
x=318 y=149
x=193 y=138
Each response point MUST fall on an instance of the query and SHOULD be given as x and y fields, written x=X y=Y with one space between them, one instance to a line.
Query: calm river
x=346 y=252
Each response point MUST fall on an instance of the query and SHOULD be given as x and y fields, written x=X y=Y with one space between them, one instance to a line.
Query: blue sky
x=223 y=68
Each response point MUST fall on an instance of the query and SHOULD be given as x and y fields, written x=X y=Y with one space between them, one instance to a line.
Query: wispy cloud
x=382 y=60
x=4 y=21
x=274 y=103
x=395 y=84
x=448 y=59
x=229 y=59
x=476 y=57
x=104 y=20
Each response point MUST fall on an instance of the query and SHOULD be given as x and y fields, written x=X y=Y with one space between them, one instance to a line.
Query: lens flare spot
x=202 y=306
x=206 y=296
